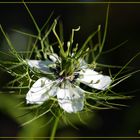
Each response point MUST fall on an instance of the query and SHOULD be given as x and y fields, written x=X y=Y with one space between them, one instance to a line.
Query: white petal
x=83 y=64
x=41 y=65
x=70 y=98
x=54 y=57
x=94 y=79
x=40 y=91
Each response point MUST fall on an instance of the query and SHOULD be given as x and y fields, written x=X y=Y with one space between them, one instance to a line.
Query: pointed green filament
x=69 y=66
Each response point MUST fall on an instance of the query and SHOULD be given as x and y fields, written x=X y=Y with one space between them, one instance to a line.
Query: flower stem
x=54 y=128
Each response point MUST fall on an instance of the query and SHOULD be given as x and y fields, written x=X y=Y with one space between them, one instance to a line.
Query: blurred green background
x=124 y=24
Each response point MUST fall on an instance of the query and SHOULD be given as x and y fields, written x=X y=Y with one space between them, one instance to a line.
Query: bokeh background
x=124 y=24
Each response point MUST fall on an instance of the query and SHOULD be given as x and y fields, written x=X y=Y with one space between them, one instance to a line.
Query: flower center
x=71 y=78
x=66 y=70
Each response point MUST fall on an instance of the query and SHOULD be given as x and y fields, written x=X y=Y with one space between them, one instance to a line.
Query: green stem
x=54 y=128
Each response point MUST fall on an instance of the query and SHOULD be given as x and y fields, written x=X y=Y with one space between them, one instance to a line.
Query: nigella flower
x=67 y=74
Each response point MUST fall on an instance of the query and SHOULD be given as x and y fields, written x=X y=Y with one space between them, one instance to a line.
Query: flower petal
x=70 y=98
x=83 y=64
x=40 y=65
x=40 y=91
x=54 y=57
x=94 y=79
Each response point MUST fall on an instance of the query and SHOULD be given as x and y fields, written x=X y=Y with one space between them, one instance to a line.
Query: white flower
x=70 y=97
